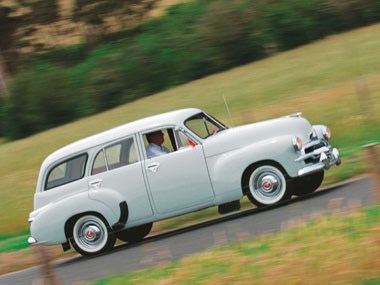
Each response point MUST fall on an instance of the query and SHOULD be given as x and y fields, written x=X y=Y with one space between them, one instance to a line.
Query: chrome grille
x=310 y=147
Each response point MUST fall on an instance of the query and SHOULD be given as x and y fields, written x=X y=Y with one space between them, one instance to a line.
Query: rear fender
x=109 y=197
x=49 y=226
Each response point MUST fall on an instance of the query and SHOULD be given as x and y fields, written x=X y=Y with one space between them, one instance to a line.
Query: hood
x=241 y=136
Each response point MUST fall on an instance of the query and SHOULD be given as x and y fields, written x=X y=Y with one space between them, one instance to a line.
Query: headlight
x=297 y=143
x=326 y=133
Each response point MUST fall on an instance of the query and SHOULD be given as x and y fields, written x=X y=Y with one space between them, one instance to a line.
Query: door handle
x=95 y=183
x=153 y=167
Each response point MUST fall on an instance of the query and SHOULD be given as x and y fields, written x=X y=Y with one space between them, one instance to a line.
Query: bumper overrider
x=320 y=155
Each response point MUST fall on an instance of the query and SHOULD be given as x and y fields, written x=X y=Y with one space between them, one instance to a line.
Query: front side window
x=159 y=142
x=183 y=141
x=166 y=140
x=115 y=156
x=204 y=126
x=66 y=172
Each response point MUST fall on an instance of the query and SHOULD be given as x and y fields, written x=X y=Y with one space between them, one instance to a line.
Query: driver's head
x=156 y=137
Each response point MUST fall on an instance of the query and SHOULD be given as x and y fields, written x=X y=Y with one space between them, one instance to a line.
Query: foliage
x=40 y=100
x=7 y=26
x=191 y=41
x=19 y=19
x=96 y=13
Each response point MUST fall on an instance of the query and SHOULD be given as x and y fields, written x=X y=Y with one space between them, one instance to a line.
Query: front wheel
x=91 y=235
x=267 y=186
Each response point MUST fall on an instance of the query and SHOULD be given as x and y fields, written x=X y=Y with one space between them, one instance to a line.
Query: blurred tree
x=8 y=25
x=40 y=99
x=3 y=78
x=292 y=23
x=21 y=22
x=17 y=20
x=192 y=40
x=101 y=16
x=231 y=32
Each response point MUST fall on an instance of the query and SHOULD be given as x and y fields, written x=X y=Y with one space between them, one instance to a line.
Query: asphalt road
x=183 y=242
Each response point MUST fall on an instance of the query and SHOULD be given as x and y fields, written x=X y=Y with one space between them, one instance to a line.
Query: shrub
x=192 y=40
x=40 y=99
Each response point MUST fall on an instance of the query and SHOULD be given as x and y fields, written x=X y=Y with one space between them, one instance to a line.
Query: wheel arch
x=124 y=214
x=69 y=225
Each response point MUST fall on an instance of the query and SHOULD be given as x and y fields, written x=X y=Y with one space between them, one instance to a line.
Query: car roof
x=141 y=125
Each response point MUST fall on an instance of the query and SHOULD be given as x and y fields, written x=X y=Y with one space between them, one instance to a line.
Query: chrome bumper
x=327 y=157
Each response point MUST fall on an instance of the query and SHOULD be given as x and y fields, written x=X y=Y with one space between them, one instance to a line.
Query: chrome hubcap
x=92 y=233
x=269 y=183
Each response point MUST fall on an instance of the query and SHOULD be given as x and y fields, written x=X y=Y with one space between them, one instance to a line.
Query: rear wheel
x=267 y=186
x=135 y=234
x=91 y=235
x=307 y=184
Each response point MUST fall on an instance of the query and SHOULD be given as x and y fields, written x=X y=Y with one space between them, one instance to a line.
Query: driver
x=155 y=147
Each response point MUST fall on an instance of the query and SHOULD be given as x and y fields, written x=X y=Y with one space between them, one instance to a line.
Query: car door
x=179 y=179
x=118 y=167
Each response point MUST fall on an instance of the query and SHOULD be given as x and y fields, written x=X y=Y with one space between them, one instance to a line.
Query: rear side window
x=66 y=172
x=117 y=155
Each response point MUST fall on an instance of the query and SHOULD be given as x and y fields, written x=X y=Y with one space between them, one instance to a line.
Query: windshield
x=204 y=125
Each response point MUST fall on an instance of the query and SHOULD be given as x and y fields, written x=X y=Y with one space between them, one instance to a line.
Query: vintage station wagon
x=111 y=185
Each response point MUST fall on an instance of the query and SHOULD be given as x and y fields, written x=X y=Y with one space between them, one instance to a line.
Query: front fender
x=226 y=169
x=49 y=225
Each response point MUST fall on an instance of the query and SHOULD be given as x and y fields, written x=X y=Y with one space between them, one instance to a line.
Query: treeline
x=191 y=41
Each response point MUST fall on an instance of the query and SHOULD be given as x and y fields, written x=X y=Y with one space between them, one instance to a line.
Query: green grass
x=339 y=249
x=319 y=80
x=13 y=242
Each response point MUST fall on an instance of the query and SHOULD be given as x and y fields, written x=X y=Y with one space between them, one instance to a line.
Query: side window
x=66 y=172
x=100 y=164
x=163 y=141
x=159 y=142
x=115 y=156
x=184 y=141
x=133 y=154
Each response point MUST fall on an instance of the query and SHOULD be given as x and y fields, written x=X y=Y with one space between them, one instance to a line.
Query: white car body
x=86 y=193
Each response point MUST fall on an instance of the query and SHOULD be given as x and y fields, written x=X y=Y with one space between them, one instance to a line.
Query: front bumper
x=319 y=155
